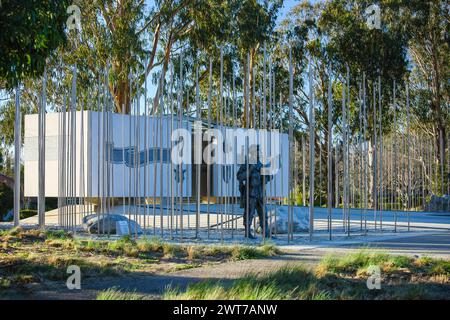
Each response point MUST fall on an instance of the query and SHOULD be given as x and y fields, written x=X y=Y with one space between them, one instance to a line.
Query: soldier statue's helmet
x=254 y=151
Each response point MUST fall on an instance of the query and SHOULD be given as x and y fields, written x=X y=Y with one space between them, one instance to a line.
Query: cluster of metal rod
x=394 y=172
x=397 y=172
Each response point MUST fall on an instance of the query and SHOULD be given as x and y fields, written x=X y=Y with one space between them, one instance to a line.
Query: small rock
x=278 y=219
x=108 y=224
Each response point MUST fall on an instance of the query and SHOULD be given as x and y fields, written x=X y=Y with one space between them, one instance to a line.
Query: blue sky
x=287 y=5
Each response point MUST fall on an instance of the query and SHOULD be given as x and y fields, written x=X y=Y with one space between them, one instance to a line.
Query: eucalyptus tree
x=253 y=28
x=127 y=38
x=427 y=25
x=30 y=32
x=375 y=52
x=239 y=29
x=332 y=36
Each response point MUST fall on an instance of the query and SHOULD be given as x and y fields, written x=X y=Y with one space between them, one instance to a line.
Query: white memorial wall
x=118 y=164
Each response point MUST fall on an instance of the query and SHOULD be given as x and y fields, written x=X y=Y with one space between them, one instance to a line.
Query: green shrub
x=26 y=213
x=6 y=200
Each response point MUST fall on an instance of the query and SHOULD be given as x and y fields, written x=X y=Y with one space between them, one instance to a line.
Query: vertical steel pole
x=161 y=149
x=408 y=116
x=146 y=158
x=394 y=176
x=172 y=191
x=17 y=143
x=311 y=154
x=234 y=224
x=123 y=157
x=81 y=173
x=291 y=145
x=198 y=151
x=155 y=132
x=295 y=183
x=263 y=127
x=247 y=124
x=374 y=152
x=41 y=157
x=320 y=173
x=208 y=166
x=442 y=161
x=137 y=154
x=347 y=148
x=336 y=170
x=99 y=89
x=345 y=154
x=180 y=167
x=330 y=156
x=448 y=162
x=303 y=171
x=380 y=120
x=360 y=139
x=59 y=166
x=271 y=127
x=64 y=164
x=220 y=147
x=423 y=173
x=366 y=150
x=188 y=169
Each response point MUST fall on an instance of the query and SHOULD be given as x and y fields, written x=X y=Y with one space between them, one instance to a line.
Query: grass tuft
x=150 y=245
x=271 y=286
x=58 y=234
x=360 y=261
x=335 y=278
x=117 y=294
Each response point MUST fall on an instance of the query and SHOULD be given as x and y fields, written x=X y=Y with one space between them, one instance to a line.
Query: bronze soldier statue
x=251 y=173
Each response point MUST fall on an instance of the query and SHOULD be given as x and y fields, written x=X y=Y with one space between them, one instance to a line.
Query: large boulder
x=107 y=224
x=278 y=219
x=439 y=204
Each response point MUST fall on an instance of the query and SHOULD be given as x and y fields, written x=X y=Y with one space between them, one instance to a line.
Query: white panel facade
x=115 y=163
x=53 y=134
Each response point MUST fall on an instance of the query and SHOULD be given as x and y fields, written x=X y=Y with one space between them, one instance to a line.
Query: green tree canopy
x=30 y=31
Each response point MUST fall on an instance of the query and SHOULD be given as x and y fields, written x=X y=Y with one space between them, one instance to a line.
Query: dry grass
x=117 y=294
x=392 y=266
x=334 y=278
x=37 y=256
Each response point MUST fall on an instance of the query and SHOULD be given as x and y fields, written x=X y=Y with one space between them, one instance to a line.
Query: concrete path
x=431 y=244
